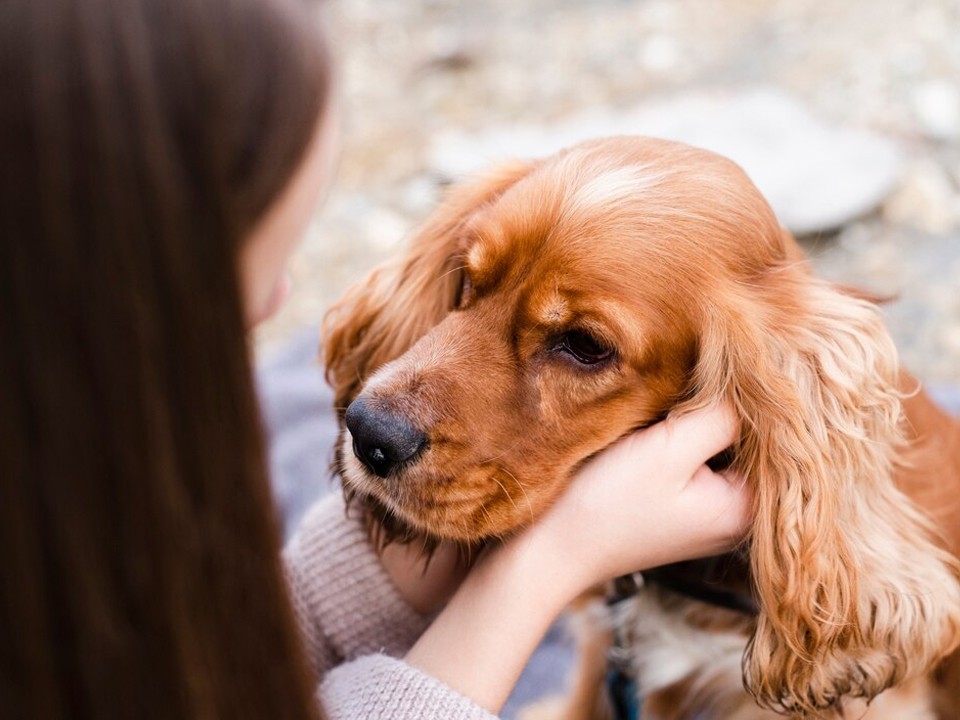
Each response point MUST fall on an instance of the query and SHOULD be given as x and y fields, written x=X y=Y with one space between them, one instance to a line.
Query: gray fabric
x=300 y=424
x=301 y=427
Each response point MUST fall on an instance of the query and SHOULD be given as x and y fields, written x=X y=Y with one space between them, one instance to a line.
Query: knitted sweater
x=355 y=626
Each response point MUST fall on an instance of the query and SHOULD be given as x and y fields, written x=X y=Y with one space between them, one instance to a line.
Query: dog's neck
x=722 y=581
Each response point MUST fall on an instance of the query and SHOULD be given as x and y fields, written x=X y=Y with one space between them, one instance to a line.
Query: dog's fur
x=548 y=309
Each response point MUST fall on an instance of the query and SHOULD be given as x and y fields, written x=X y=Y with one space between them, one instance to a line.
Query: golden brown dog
x=545 y=311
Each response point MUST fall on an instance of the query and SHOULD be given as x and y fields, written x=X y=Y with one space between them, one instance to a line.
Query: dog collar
x=702 y=589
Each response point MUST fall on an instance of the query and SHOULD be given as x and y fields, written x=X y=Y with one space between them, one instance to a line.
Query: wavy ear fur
x=385 y=314
x=856 y=594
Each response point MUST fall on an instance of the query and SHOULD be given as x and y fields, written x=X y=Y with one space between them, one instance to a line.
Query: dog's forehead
x=562 y=208
x=611 y=211
x=578 y=240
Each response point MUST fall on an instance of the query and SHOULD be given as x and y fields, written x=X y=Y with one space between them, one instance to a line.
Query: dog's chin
x=392 y=521
x=423 y=513
x=387 y=526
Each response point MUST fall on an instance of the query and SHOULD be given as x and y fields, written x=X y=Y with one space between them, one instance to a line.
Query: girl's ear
x=855 y=592
x=386 y=313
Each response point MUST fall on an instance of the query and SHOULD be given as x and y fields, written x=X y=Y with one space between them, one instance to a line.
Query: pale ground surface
x=413 y=69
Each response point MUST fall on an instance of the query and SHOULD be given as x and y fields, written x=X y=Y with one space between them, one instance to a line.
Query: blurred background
x=847 y=114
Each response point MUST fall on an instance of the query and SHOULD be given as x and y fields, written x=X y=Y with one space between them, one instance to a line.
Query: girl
x=160 y=160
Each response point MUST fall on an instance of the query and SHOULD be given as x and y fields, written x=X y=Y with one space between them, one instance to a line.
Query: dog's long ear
x=855 y=593
x=386 y=313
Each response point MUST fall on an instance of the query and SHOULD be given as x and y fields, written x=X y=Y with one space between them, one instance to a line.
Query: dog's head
x=548 y=309
x=542 y=314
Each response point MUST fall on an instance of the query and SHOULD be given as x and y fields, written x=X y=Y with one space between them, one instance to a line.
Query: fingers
x=724 y=493
x=719 y=507
x=695 y=437
x=685 y=441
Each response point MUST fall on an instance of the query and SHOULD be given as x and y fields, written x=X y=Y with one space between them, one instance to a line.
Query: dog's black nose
x=382 y=441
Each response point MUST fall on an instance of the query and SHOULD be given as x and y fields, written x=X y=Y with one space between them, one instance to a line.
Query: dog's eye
x=464 y=291
x=584 y=347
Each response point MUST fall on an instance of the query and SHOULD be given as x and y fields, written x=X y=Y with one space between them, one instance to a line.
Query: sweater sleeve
x=379 y=686
x=345 y=603
x=355 y=625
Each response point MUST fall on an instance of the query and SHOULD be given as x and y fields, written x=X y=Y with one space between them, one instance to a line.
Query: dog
x=550 y=307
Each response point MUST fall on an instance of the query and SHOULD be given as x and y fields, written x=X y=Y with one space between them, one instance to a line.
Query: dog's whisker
x=501 y=454
x=525 y=495
x=505 y=491
x=458 y=268
x=483 y=509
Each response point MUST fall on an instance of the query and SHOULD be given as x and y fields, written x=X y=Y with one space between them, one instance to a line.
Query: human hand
x=648 y=500
x=425 y=581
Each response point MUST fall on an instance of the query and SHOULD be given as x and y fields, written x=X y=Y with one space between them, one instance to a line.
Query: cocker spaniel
x=546 y=310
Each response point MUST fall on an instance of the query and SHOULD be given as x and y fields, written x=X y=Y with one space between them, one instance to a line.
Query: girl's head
x=148 y=150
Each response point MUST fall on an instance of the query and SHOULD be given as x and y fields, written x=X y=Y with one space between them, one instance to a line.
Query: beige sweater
x=356 y=626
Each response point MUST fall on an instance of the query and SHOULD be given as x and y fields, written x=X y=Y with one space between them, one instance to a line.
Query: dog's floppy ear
x=855 y=593
x=386 y=313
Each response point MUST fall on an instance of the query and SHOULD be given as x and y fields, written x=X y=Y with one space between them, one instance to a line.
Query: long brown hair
x=140 y=141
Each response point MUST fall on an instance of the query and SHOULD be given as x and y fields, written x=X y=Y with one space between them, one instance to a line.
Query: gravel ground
x=413 y=69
